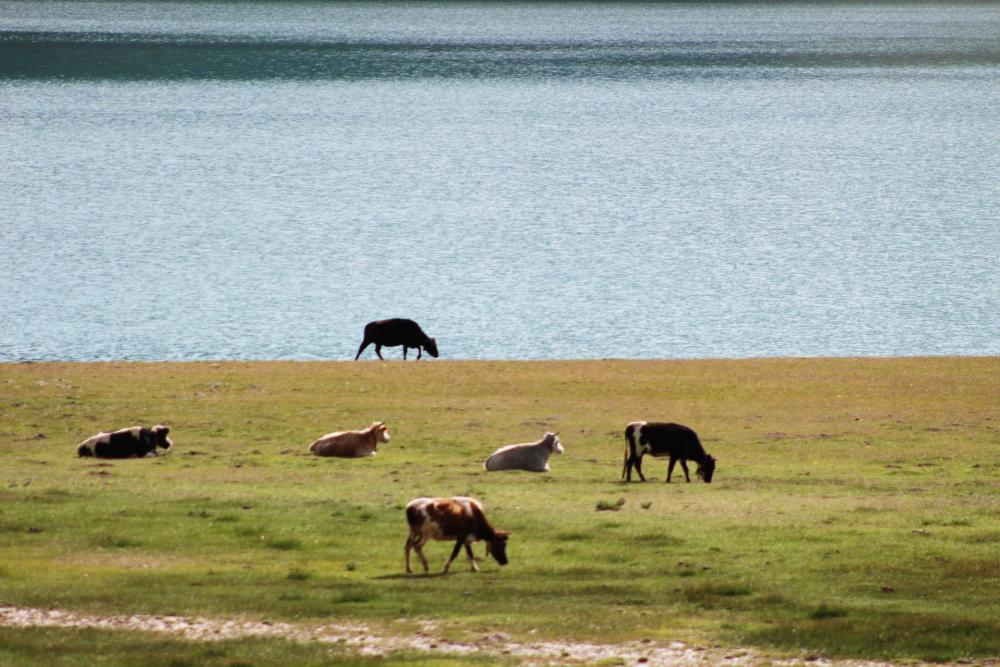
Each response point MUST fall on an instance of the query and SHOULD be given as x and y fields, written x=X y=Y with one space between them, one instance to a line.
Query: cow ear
x=503 y=534
x=162 y=428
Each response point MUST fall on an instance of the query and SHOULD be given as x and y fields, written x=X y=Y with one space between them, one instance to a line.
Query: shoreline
x=616 y=360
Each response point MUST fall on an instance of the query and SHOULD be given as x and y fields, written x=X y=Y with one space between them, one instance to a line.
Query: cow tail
x=629 y=447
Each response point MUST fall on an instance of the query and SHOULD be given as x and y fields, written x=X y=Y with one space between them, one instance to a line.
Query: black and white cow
x=127 y=443
x=678 y=442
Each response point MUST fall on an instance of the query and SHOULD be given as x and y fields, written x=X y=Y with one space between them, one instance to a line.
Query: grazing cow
x=127 y=443
x=460 y=519
x=657 y=439
x=391 y=333
x=531 y=456
x=351 y=444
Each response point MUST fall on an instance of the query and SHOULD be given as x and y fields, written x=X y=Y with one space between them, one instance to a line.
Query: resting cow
x=351 y=444
x=678 y=442
x=127 y=443
x=460 y=519
x=390 y=333
x=531 y=456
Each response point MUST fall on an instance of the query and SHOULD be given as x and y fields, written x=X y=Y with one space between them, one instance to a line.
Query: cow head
x=160 y=432
x=431 y=346
x=381 y=432
x=497 y=547
x=555 y=445
x=706 y=469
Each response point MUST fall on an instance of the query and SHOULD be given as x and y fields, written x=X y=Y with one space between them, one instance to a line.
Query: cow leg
x=365 y=343
x=419 y=350
x=472 y=558
x=454 y=552
x=638 y=468
x=378 y=351
x=418 y=546
x=684 y=464
x=409 y=545
x=404 y=353
x=670 y=467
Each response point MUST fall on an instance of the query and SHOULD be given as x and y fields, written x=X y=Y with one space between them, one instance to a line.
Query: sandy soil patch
x=368 y=641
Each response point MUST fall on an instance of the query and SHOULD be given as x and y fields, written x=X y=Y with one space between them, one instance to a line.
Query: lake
x=227 y=180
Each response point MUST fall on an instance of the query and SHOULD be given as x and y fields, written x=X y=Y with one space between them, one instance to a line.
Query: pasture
x=855 y=510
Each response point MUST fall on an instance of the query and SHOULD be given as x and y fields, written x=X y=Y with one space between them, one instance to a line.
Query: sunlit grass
x=855 y=510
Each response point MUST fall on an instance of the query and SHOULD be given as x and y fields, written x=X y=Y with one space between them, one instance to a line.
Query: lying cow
x=657 y=439
x=531 y=456
x=390 y=333
x=127 y=443
x=460 y=519
x=351 y=444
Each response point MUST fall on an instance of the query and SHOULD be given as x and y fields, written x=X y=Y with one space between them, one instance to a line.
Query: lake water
x=214 y=180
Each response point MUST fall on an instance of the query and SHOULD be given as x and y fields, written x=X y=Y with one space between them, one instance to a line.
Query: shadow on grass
x=435 y=575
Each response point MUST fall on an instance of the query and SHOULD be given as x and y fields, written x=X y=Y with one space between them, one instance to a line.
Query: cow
x=531 y=456
x=126 y=443
x=460 y=519
x=397 y=331
x=351 y=444
x=678 y=442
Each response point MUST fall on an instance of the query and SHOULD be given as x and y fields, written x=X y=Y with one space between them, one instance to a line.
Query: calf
x=127 y=443
x=460 y=519
x=391 y=333
x=531 y=456
x=351 y=444
x=657 y=439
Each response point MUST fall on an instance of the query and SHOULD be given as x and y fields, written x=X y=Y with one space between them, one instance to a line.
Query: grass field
x=855 y=510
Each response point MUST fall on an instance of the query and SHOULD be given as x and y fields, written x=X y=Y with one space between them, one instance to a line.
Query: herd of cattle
x=460 y=519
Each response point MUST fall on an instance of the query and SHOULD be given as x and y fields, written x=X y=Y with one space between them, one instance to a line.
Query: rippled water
x=228 y=180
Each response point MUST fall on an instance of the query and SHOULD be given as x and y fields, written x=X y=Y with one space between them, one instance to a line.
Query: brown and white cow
x=460 y=519
x=126 y=443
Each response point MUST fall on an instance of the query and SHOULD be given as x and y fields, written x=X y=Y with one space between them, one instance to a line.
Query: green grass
x=55 y=647
x=855 y=510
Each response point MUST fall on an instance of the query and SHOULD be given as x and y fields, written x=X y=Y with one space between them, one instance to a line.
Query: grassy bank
x=855 y=510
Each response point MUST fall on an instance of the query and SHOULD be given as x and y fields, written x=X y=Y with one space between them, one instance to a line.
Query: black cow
x=391 y=333
x=657 y=439
x=127 y=443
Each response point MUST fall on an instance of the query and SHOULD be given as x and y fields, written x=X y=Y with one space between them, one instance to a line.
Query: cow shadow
x=429 y=575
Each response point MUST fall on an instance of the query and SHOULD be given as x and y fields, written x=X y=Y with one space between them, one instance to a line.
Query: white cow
x=531 y=456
